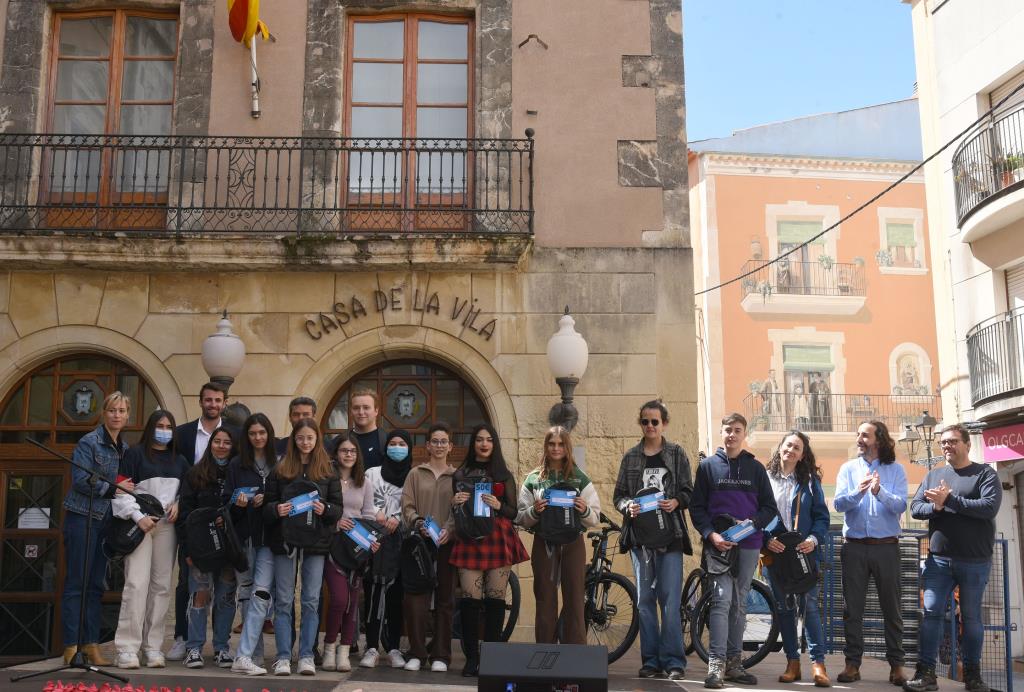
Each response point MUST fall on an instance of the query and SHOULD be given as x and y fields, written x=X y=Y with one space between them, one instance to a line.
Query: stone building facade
x=120 y=246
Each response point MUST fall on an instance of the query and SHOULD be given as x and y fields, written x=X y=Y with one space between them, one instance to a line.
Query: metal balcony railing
x=995 y=355
x=989 y=162
x=179 y=184
x=819 y=278
x=779 y=411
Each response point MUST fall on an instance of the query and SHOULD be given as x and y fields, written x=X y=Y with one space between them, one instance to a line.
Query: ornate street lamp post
x=567 y=357
x=223 y=356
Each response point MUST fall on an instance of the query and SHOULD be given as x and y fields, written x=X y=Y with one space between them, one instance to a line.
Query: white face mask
x=163 y=436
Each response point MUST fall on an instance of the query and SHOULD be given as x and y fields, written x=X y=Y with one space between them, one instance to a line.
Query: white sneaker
x=397 y=659
x=412 y=664
x=306 y=666
x=369 y=659
x=438 y=667
x=245 y=666
x=178 y=650
x=283 y=667
x=127 y=659
x=155 y=659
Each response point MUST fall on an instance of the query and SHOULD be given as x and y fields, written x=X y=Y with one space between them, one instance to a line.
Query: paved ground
x=621 y=678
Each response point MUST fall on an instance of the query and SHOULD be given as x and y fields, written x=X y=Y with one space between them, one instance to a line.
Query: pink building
x=840 y=331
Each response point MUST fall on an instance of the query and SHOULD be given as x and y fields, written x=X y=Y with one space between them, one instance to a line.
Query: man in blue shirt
x=871 y=491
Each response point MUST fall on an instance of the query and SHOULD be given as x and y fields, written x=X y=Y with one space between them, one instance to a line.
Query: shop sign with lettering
x=459 y=310
x=1003 y=444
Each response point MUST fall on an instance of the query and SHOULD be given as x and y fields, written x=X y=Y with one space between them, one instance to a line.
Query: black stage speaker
x=508 y=667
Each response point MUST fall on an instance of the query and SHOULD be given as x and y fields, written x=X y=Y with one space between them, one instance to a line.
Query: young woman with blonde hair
x=555 y=565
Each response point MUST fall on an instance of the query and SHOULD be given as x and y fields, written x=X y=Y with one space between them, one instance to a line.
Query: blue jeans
x=309 y=602
x=938 y=577
x=807 y=605
x=222 y=584
x=74 y=558
x=659 y=586
x=250 y=642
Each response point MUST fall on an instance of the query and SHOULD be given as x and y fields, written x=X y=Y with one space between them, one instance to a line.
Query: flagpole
x=255 y=79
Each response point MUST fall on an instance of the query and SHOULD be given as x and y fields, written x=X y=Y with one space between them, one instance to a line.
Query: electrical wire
x=871 y=201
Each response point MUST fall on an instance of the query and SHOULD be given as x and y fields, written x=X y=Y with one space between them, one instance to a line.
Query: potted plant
x=826 y=262
x=884 y=258
x=1013 y=169
x=765 y=289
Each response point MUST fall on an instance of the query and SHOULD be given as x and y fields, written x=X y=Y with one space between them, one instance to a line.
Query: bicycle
x=761 y=635
x=610 y=615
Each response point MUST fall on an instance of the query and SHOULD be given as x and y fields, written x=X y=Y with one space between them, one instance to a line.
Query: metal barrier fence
x=996 y=662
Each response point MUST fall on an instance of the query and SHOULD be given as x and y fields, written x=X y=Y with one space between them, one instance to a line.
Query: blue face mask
x=398 y=453
x=220 y=462
x=163 y=436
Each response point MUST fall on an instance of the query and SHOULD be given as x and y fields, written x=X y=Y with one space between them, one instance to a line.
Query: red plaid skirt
x=501 y=548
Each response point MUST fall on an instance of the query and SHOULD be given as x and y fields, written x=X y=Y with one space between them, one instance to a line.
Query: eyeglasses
x=653 y=422
x=347 y=452
x=949 y=443
x=438 y=443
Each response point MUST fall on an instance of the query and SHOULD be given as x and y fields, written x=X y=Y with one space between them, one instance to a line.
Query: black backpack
x=560 y=525
x=124 y=535
x=713 y=560
x=655 y=528
x=467 y=526
x=387 y=561
x=418 y=564
x=306 y=529
x=348 y=555
x=792 y=571
x=213 y=545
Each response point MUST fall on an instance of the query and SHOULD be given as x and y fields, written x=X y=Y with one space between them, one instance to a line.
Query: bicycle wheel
x=762 y=629
x=610 y=614
x=512 y=601
x=688 y=606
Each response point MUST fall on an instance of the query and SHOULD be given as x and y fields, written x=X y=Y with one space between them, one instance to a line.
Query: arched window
x=411 y=396
x=910 y=370
x=56 y=404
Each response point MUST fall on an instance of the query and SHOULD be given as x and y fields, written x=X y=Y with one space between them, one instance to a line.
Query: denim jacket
x=96 y=451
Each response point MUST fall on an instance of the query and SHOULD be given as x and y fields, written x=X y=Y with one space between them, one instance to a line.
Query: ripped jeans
x=200 y=584
x=250 y=643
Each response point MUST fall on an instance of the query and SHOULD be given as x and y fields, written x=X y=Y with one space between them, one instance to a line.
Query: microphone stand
x=78 y=661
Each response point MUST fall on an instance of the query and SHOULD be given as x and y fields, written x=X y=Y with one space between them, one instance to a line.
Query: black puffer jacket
x=330 y=495
x=249 y=519
x=193 y=497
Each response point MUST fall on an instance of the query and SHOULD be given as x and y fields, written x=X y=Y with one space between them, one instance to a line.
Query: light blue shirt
x=868 y=515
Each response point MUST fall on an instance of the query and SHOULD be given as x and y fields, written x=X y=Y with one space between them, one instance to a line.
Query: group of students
x=366 y=477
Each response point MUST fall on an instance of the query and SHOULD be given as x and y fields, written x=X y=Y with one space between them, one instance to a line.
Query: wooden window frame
x=409 y=198
x=105 y=196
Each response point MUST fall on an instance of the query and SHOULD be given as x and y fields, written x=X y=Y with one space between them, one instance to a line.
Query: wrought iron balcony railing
x=995 y=355
x=185 y=184
x=820 y=412
x=988 y=163
x=803 y=278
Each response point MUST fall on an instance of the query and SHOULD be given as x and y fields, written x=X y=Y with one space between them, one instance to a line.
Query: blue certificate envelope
x=303 y=503
x=737 y=532
x=479 y=508
x=362 y=536
x=433 y=530
x=249 y=492
x=649 y=502
x=560 y=498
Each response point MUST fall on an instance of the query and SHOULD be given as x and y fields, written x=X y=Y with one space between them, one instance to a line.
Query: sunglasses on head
x=653 y=422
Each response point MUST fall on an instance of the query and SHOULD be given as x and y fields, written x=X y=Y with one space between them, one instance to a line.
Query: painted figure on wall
x=821 y=402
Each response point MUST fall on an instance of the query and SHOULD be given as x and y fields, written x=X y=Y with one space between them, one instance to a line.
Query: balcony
x=995 y=355
x=803 y=288
x=313 y=201
x=988 y=177
x=781 y=411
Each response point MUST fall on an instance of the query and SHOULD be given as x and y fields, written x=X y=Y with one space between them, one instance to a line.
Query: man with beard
x=871 y=491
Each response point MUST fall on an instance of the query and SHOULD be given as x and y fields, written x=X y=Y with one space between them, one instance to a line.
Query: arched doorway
x=56 y=404
x=412 y=395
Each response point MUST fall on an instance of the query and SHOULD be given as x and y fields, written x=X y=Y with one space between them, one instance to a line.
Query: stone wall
x=632 y=306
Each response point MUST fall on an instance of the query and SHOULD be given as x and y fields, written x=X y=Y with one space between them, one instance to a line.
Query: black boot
x=924 y=680
x=469 y=614
x=972 y=679
x=494 y=619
